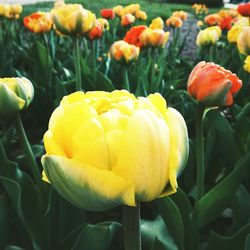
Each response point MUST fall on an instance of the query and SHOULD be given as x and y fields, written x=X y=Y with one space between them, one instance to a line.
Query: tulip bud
x=181 y=14
x=124 y=52
x=108 y=13
x=236 y=29
x=247 y=64
x=142 y=15
x=118 y=10
x=96 y=32
x=157 y=23
x=127 y=19
x=244 y=9
x=154 y=38
x=212 y=85
x=38 y=22
x=73 y=19
x=133 y=35
x=243 y=41
x=208 y=36
x=15 y=95
x=174 y=21
x=108 y=149
x=104 y=23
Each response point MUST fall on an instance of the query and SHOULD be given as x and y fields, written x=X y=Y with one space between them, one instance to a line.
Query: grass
x=153 y=8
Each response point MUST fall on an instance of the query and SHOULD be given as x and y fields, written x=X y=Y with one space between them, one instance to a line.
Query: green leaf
x=103 y=82
x=103 y=235
x=212 y=204
x=155 y=234
x=225 y=140
x=43 y=56
x=13 y=248
x=236 y=241
x=4 y=220
x=173 y=219
x=247 y=245
x=25 y=199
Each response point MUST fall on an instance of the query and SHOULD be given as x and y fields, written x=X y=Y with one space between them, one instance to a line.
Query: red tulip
x=212 y=85
x=107 y=13
x=244 y=9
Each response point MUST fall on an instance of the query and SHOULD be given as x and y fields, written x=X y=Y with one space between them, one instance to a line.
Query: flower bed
x=119 y=128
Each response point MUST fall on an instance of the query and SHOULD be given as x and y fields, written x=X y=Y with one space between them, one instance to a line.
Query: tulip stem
x=125 y=78
x=28 y=151
x=131 y=227
x=200 y=167
x=94 y=60
x=77 y=65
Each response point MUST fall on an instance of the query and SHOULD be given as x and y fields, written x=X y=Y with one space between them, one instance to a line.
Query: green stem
x=125 y=77
x=200 y=167
x=94 y=59
x=77 y=65
x=131 y=227
x=28 y=151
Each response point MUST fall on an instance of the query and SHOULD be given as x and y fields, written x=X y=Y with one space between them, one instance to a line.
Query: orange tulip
x=133 y=35
x=124 y=52
x=96 y=32
x=212 y=85
x=38 y=22
x=154 y=38
x=174 y=21
x=181 y=14
x=213 y=19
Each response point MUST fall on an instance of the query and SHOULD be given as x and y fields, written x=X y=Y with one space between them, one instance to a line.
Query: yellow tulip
x=13 y=11
x=154 y=38
x=108 y=149
x=208 y=36
x=157 y=23
x=142 y=15
x=247 y=64
x=243 y=41
x=73 y=19
x=118 y=9
x=131 y=9
x=236 y=29
x=124 y=52
x=15 y=94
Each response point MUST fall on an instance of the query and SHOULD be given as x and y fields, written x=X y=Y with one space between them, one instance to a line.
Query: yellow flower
x=141 y=15
x=247 y=64
x=73 y=19
x=108 y=149
x=104 y=23
x=157 y=23
x=243 y=41
x=38 y=22
x=234 y=32
x=200 y=23
x=131 y=9
x=15 y=94
x=154 y=38
x=127 y=19
x=118 y=9
x=3 y=9
x=122 y=51
x=10 y=10
x=208 y=36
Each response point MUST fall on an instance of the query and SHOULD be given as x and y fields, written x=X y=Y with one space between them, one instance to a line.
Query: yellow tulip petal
x=88 y=187
x=179 y=147
x=90 y=146
x=144 y=155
